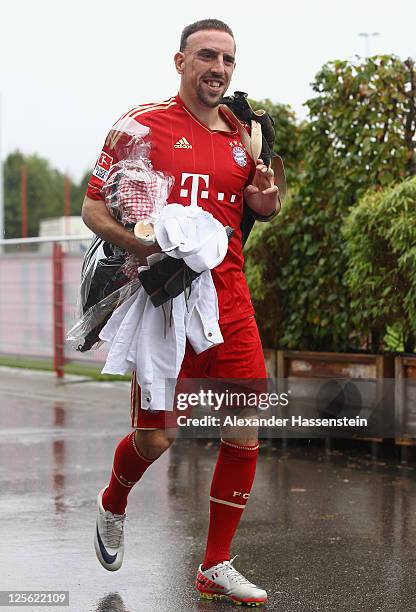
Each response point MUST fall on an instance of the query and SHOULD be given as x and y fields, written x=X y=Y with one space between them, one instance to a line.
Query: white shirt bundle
x=152 y=340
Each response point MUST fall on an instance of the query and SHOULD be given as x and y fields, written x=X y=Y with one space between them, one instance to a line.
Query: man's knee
x=247 y=433
x=244 y=440
x=153 y=443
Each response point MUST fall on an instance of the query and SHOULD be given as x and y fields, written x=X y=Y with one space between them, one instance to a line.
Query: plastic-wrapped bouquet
x=134 y=194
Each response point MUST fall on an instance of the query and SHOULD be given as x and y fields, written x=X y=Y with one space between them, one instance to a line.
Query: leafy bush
x=360 y=135
x=380 y=238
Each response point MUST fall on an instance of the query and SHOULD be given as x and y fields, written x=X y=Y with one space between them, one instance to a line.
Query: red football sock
x=230 y=490
x=128 y=467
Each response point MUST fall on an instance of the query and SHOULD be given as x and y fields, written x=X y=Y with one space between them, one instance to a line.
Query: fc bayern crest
x=240 y=156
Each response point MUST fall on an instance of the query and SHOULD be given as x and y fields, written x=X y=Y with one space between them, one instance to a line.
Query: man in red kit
x=194 y=140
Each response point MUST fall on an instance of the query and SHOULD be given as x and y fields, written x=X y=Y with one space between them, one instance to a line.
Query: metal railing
x=39 y=288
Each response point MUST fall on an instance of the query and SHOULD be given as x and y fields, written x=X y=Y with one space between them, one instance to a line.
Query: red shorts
x=240 y=356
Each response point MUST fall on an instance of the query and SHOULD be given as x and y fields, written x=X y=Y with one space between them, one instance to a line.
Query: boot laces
x=233 y=574
x=114 y=529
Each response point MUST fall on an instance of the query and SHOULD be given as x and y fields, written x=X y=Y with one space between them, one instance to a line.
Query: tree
x=45 y=193
x=78 y=193
x=360 y=135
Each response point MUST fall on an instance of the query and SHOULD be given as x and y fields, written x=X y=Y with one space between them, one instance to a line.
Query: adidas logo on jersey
x=182 y=144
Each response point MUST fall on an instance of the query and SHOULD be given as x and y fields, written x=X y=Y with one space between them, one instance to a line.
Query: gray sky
x=70 y=68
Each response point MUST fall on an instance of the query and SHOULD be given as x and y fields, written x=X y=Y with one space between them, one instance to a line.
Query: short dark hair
x=203 y=24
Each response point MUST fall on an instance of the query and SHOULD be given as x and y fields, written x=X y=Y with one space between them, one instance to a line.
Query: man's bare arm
x=97 y=217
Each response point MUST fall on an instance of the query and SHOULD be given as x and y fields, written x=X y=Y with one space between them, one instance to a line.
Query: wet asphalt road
x=322 y=532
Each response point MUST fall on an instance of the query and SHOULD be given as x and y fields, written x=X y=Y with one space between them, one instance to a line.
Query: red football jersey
x=211 y=169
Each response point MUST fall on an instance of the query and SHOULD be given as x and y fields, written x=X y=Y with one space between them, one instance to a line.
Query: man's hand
x=142 y=251
x=96 y=216
x=262 y=195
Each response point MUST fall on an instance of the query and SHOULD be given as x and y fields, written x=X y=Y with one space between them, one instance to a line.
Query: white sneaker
x=223 y=580
x=109 y=536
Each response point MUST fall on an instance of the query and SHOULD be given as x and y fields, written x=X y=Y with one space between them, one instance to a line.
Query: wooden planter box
x=405 y=400
x=293 y=366
x=334 y=365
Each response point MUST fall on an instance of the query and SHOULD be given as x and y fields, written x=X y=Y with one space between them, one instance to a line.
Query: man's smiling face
x=206 y=65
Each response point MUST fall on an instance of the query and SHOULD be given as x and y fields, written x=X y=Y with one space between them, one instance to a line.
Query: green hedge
x=359 y=136
x=380 y=235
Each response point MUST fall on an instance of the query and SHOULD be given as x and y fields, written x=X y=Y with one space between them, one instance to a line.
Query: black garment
x=241 y=108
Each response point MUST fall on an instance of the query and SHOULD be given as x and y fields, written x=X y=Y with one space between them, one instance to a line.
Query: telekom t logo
x=192 y=183
x=195 y=180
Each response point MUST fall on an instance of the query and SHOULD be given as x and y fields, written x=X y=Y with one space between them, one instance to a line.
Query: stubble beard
x=207 y=101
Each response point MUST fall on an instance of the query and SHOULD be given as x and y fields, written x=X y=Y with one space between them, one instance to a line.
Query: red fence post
x=67 y=204
x=58 y=310
x=23 y=201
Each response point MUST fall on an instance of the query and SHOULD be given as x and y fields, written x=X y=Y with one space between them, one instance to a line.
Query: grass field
x=87 y=370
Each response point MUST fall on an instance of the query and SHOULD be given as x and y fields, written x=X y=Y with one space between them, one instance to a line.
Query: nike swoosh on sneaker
x=106 y=556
